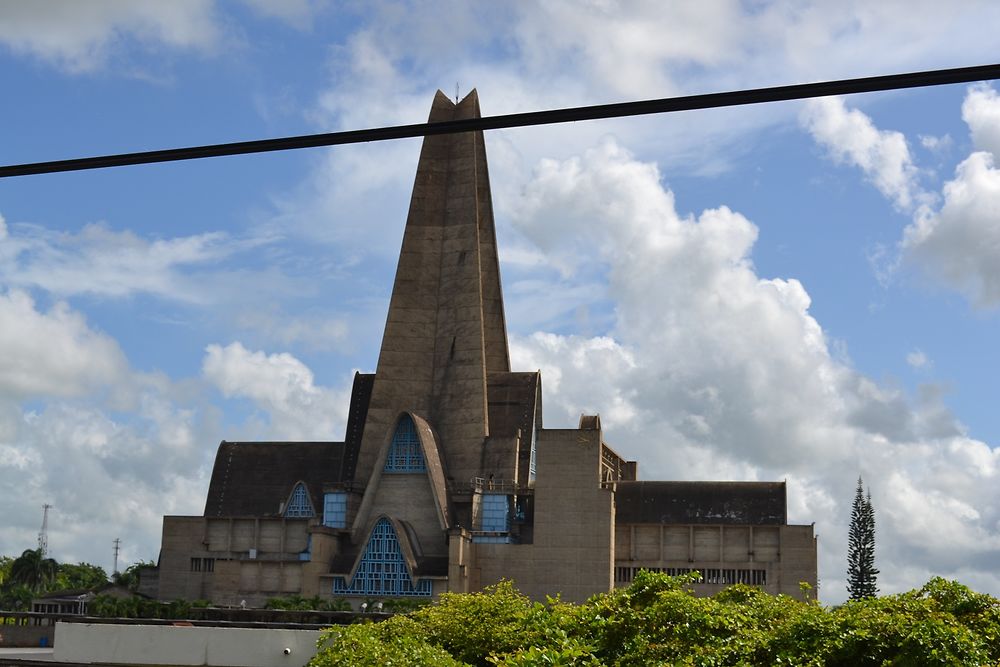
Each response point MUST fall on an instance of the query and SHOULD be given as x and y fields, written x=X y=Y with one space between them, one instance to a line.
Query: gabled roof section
x=361 y=394
x=512 y=403
x=755 y=503
x=255 y=478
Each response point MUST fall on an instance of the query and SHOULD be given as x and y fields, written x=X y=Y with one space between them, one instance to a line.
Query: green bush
x=658 y=621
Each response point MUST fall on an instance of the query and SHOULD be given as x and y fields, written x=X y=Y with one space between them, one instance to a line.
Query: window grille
x=335 y=510
x=405 y=452
x=299 y=506
x=624 y=575
x=382 y=570
x=532 y=462
x=496 y=513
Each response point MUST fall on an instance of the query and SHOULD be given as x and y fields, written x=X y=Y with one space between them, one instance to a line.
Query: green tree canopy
x=79 y=575
x=862 y=574
x=33 y=570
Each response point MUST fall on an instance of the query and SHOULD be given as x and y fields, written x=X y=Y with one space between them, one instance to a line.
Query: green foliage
x=397 y=642
x=5 y=563
x=33 y=570
x=861 y=571
x=658 y=621
x=299 y=603
x=82 y=575
x=129 y=577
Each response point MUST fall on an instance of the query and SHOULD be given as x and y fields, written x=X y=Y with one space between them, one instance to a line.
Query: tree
x=80 y=575
x=33 y=570
x=861 y=571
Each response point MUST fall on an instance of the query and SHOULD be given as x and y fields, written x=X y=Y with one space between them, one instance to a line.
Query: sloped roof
x=757 y=503
x=255 y=478
x=511 y=400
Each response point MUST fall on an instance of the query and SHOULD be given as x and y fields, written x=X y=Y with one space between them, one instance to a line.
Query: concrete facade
x=447 y=478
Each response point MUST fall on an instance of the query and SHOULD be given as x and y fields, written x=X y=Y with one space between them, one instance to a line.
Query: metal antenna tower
x=118 y=545
x=43 y=534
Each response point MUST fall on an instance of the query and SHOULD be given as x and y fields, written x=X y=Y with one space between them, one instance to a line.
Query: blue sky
x=800 y=291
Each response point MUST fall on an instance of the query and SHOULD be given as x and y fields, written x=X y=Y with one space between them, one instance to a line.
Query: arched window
x=405 y=452
x=300 y=506
x=382 y=570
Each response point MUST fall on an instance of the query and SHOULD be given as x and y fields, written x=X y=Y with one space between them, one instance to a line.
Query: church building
x=447 y=478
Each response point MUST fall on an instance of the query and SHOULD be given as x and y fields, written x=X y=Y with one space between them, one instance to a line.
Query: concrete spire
x=445 y=331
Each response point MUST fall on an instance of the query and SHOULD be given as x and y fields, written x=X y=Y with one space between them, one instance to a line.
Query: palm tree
x=33 y=570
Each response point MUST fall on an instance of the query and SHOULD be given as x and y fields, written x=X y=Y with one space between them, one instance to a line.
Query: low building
x=447 y=478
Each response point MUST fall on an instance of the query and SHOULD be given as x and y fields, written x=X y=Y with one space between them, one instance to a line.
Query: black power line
x=666 y=105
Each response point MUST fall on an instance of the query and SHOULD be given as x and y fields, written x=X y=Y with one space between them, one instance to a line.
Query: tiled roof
x=758 y=503
x=255 y=478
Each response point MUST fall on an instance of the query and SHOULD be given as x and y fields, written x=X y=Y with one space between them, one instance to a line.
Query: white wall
x=183 y=645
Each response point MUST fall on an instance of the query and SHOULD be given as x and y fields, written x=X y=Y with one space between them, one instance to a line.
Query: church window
x=382 y=570
x=496 y=513
x=335 y=510
x=299 y=506
x=405 y=453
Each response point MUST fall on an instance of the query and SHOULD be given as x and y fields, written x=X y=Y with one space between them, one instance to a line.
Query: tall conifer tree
x=861 y=571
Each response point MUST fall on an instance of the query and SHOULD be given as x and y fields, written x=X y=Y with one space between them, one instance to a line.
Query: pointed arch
x=434 y=469
x=382 y=568
x=406 y=454
x=299 y=504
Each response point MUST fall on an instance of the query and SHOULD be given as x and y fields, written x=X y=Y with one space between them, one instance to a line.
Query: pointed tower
x=445 y=331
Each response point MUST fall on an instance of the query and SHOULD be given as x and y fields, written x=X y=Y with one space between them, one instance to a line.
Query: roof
x=756 y=503
x=361 y=394
x=255 y=478
x=511 y=400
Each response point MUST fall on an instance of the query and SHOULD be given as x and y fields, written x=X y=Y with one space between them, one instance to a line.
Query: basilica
x=447 y=478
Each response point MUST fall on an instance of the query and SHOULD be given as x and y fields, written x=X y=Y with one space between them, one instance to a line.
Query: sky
x=799 y=291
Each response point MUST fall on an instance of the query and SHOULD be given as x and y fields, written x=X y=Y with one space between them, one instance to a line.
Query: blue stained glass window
x=335 y=509
x=299 y=506
x=496 y=513
x=405 y=452
x=382 y=570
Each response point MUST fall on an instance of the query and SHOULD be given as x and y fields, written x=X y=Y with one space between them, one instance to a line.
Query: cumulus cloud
x=110 y=448
x=711 y=371
x=981 y=112
x=282 y=387
x=953 y=237
x=54 y=353
x=79 y=36
x=852 y=138
x=959 y=243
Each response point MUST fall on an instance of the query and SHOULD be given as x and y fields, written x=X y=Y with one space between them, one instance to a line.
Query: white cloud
x=283 y=387
x=53 y=353
x=101 y=261
x=981 y=111
x=80 y=36
x=110 y=448
x=882 y=155
x=917 y=359
x=960 y=243
x=710 y=371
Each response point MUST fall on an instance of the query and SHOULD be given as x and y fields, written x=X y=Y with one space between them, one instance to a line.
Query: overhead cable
x=527 y=119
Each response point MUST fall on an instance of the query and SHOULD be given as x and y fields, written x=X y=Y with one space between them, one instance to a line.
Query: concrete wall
x=574 y=531
x=785 y=554
x=180 y=645
x=225 y=572
x=26 y=635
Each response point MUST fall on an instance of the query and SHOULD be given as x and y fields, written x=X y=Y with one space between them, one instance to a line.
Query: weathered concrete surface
x=180 y=645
